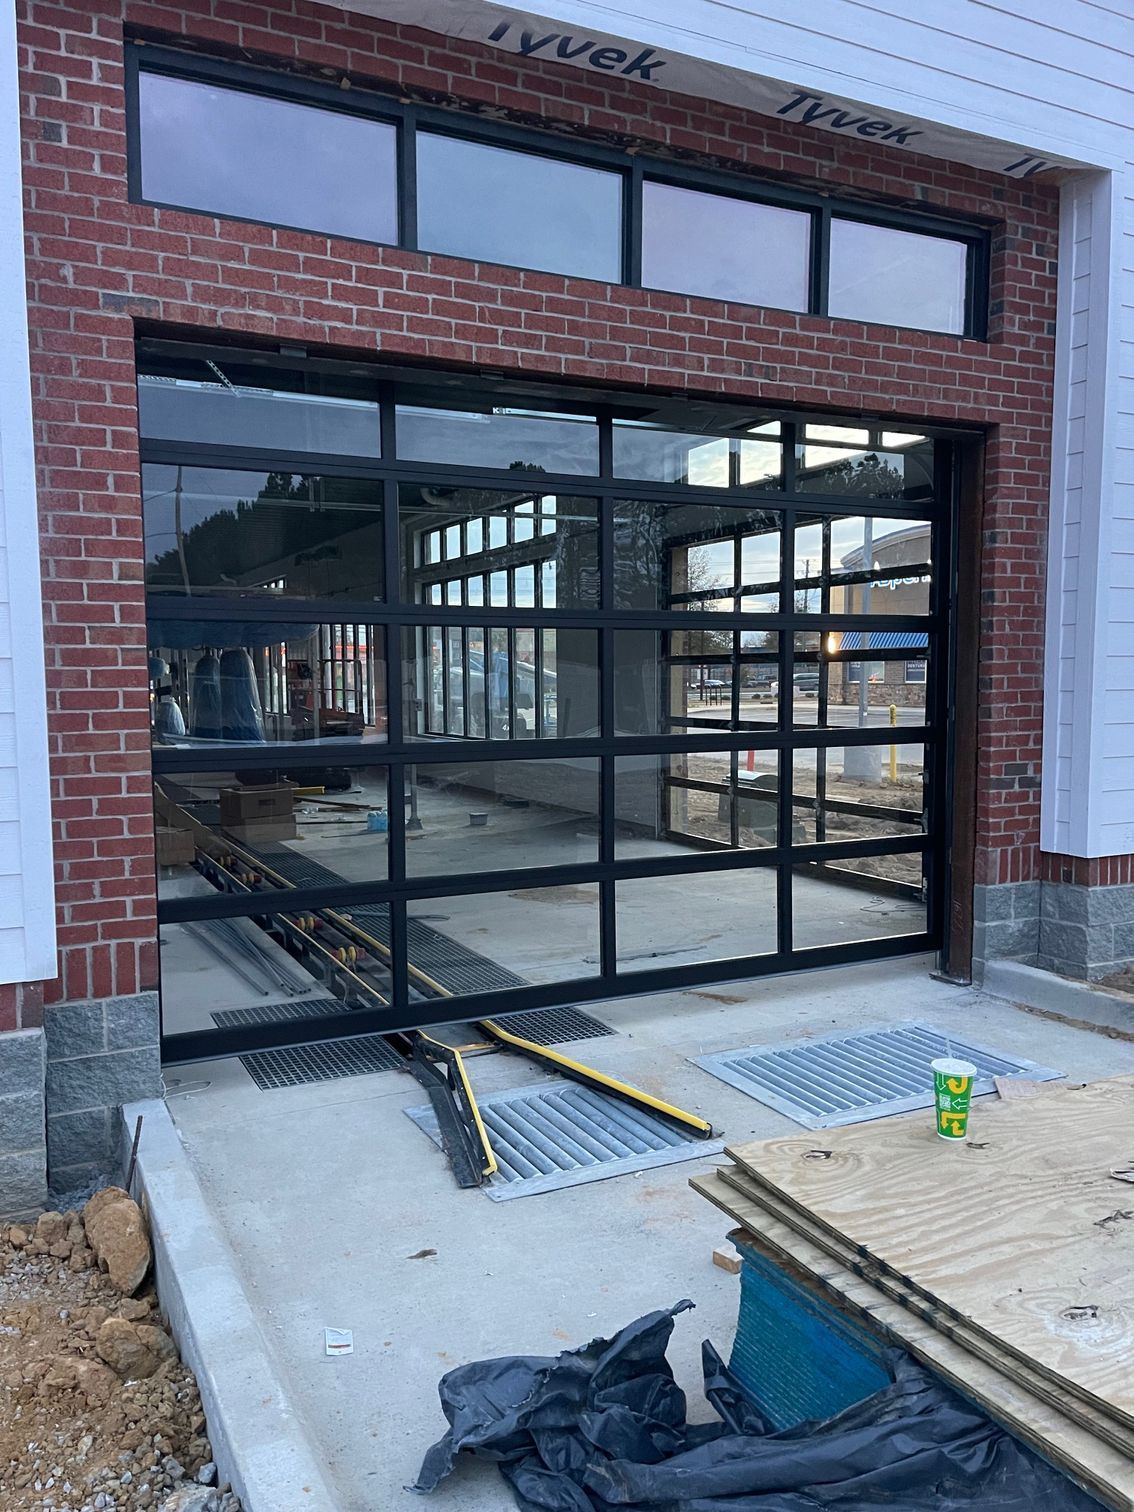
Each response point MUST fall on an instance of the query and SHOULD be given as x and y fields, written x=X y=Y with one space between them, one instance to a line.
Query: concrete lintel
x=259 y=1442
x=1044 y=990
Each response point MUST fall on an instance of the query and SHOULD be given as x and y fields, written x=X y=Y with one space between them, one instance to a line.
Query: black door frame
x=399 y=752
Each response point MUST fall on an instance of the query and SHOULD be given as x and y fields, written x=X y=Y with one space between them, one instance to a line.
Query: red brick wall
x=98 y=263
x=1099 y=871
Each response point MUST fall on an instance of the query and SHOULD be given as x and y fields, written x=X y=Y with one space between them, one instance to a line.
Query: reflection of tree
x=700 y=578
x=229 y=547
x=868 y=475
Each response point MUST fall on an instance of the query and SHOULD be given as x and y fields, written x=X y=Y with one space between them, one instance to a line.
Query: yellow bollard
x=893 y=748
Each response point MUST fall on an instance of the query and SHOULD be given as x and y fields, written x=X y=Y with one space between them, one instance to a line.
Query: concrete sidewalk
x=341 y=1212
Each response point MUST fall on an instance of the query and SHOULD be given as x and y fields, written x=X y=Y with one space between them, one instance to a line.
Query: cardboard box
x=269 y=803
x=174 y=847
x=263 y=829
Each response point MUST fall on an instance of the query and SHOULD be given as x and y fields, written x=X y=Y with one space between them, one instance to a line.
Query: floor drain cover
x=275 y=1013
x=553 y=1026
x=545 y=1138
x=356 y=1055
x=848 y=1078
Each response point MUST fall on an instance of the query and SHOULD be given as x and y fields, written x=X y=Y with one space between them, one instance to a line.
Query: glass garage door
x=474 y=700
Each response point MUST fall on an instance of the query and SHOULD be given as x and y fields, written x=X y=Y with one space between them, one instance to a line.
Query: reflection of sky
x=478 y=200
x=760 y=558
x=848 y=535
x=555 y=443
x=262 y=159
x=896 y=277
x=179 y=409
x=725 y=248
x=205 y=492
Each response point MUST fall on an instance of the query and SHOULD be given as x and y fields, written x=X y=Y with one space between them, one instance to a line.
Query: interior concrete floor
x=342 y=1213
x=543 y=934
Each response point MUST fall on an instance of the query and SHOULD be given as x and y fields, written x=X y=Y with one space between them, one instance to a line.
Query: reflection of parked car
x=803 y=684
x=523 y=694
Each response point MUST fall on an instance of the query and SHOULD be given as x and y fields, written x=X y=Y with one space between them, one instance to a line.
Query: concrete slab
x=341 y=1213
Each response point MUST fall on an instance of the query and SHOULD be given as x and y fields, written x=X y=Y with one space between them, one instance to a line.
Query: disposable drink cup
x=952 y=1092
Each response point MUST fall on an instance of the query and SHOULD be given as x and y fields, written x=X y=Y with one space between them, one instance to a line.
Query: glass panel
x=231 y=153
x=521 y=208
x=891 y=560
x=666 y=682
x=724 y=248
x=223 y=682
x=487 y=941
x=897 y=277
x=538 y=684
x=863 y=564
x=662 y=453
x=866 y=471
x=514 y=440
x=808 y=569
x=694 y=556
x=832 y=692
x=672 y=804
x=861 y=793
x=316 y=826
x=217 y=531
x=499 y=815
x=829 y=908
x=227 y=973
x=569 y=547
x=706 y=916
x=229 y=410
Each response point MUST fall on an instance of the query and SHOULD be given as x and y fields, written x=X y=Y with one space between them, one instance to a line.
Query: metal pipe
x=215 y=949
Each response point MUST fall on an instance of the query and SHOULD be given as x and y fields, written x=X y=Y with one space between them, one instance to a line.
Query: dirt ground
x=76 y=1435
x=702 y=816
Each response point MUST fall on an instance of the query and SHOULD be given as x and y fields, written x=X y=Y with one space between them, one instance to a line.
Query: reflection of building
x=895 y=581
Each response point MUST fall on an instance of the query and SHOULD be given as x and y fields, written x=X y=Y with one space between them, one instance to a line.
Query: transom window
x=230 y=140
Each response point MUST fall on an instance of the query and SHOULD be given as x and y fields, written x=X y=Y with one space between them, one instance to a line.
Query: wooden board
x=1020 y=1232
x=1101 y=1424
x=1099 y=1468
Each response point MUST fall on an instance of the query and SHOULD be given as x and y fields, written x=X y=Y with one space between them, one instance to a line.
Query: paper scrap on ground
x=339 y=1341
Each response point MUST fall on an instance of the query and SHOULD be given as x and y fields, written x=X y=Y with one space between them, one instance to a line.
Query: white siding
x=27 y=900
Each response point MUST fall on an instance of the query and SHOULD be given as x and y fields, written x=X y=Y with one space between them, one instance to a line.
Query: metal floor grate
x=457 y=968
x=274 y=1013
x=553 y=1026
x=848 y=1078
x=357 y=1055
x=545 y=1138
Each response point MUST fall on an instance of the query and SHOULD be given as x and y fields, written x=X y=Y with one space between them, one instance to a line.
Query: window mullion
x=407 y=181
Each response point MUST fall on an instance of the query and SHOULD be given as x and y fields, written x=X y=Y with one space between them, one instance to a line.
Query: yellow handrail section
x=623 y=1089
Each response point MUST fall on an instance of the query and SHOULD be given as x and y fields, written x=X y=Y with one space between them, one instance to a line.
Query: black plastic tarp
x=604 y=1428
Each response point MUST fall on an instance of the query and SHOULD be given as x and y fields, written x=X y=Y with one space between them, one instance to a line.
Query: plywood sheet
x=1100 y=1423
x=1021 y=1232
x=1097 y=1466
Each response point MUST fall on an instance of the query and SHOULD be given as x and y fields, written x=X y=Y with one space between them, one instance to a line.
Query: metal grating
x=553 y=1026
x=548 y=1137
x=274 y=1013
x=357 y=1055
x=299 y=870
x=453 y=965
x=849 y=1078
